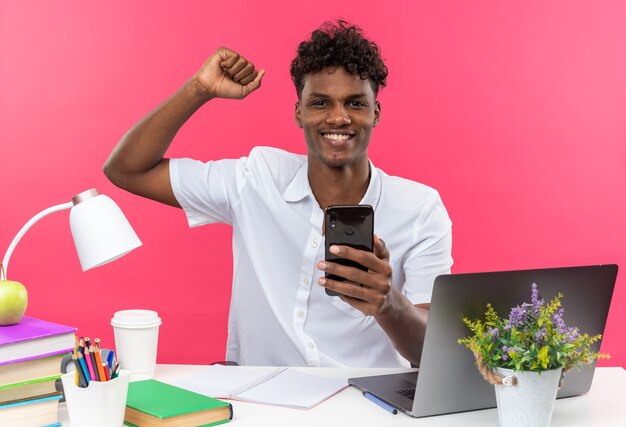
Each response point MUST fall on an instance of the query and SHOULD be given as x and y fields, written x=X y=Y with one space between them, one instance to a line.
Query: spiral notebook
x=270 y=386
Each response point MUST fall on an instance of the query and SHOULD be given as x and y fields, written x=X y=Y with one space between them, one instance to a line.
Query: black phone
x=349 y=225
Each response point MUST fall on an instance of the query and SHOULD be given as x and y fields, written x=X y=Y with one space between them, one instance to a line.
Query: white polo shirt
x=279 y=315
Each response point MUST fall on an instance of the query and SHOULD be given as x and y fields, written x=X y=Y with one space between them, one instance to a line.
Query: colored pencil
x=75 y=359
x=94 y=363
x=82 y=381
x=81 y=361
x=87 y=355
x=92 y=356
x=96 y=353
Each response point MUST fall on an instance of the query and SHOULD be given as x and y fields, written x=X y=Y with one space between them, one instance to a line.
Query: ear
x=377 y=114
x=297 y=115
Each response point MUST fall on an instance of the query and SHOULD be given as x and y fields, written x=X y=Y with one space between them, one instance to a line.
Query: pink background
x=514 y=111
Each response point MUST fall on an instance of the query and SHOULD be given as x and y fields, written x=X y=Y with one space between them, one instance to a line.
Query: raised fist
x=226 y=74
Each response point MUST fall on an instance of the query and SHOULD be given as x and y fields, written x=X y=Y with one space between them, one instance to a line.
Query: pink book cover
x=31 y=328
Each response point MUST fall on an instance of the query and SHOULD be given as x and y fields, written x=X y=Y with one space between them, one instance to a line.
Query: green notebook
x=153 y=403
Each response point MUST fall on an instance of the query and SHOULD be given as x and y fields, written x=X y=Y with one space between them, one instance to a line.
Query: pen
x=105 y=369
x=116 y=371
x=387 y=407
x=110 y=359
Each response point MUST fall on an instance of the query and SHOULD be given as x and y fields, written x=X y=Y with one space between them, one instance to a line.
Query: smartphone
x=351 y=225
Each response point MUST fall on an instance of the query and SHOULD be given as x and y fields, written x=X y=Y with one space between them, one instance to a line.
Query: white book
x=280 y=386
x=39 y=411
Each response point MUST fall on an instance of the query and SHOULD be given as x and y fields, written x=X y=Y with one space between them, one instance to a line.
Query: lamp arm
x=25 y=228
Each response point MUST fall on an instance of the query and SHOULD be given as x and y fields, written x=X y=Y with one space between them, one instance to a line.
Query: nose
x=338 y=116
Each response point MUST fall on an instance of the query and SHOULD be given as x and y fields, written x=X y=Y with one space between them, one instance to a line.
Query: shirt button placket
x=308 y=270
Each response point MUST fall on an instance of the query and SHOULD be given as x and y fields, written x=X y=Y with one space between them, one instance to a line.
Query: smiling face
x=337 y=111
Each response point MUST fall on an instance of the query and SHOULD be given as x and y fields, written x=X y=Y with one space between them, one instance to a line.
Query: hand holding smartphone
x=349 y=225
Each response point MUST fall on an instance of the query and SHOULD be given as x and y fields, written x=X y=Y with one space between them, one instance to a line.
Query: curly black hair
x=339 y=44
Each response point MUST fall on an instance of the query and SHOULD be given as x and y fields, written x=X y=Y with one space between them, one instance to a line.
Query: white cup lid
x=135 y=319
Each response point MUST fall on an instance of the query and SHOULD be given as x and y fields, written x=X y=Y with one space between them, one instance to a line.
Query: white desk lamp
x=100 y=230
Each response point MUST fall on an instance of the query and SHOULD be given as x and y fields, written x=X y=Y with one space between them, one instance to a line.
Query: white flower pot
x=529 y=403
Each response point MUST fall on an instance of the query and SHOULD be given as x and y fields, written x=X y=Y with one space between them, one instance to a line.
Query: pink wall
x=515 y=112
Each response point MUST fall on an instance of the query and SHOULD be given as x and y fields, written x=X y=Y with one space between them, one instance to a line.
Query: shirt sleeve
x=431 y=254
x=207 y=191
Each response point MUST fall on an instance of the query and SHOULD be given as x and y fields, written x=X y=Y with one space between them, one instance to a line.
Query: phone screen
x=348 y=226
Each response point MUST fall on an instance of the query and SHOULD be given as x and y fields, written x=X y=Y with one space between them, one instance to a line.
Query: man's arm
x=137 y=163
x=403 y=322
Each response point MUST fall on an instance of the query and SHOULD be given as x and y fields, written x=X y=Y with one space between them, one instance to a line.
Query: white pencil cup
x=100 y=404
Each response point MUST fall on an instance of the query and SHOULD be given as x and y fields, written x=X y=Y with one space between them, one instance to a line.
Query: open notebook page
x=219 y=381
x=273 y=386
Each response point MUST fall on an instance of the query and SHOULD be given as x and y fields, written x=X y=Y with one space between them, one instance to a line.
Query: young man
x=280 y=313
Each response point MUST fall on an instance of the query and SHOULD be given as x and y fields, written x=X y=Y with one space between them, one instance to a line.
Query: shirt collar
x=299 y=187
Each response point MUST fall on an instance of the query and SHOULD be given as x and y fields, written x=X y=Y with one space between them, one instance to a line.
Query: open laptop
x=448 y=380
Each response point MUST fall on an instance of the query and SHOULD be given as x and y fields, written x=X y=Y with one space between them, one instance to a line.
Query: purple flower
x=559 y=324
x=494 y=332
x=572 y=335
x=540 y=335
x=517 y=316
x=536 y=302
x=505 y=352
x=534 y=292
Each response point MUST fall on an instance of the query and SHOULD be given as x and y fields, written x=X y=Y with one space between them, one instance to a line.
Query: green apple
x=13 y=302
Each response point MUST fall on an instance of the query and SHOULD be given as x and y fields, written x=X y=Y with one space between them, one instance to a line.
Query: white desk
x=604 y=405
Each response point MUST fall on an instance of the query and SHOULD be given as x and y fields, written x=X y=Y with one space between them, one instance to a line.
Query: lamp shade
x=100 y=230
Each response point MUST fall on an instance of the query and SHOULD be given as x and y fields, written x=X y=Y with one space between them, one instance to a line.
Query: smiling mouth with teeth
x=336 y=136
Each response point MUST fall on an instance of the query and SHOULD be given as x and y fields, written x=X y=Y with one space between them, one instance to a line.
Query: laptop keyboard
x=409 y=393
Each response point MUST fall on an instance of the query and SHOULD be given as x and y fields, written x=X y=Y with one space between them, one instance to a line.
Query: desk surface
x=602 y=406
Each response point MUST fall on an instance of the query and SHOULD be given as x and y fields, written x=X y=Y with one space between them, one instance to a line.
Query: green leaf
x=543 y=357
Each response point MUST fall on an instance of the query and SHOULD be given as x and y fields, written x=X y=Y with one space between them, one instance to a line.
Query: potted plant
x=525 y=356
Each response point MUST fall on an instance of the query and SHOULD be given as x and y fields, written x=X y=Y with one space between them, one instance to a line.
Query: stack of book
x=30 y=364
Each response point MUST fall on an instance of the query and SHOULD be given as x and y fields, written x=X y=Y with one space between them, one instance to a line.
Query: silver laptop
x=448 y=380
